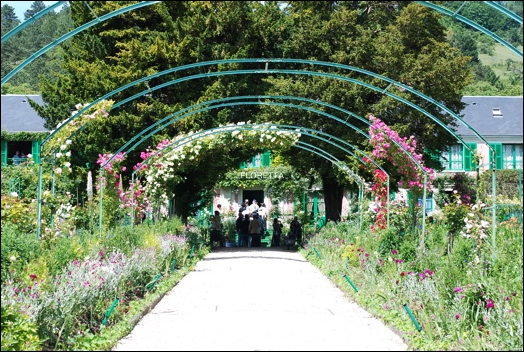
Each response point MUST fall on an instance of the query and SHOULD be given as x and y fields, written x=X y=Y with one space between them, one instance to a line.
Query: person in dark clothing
x=277 y=231
x=245 y=230
x=238 y=227
x=255 y=231
x=295 y=229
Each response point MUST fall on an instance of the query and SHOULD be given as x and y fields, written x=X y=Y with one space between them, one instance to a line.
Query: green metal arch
x=293 y=129
x=266 y=71
x=147 y=3
x=477 y=26
x=70 y=34
x=27 y=22
x=178 y=118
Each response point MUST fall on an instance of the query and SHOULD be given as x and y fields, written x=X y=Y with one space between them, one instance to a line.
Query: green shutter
x=266 y=159
x=35 y=150
x=469 y=162
x=498 y=156
x=4 y=152
x=466 y=156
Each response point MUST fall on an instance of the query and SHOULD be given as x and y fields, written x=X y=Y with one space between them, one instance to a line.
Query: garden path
x=258 y=299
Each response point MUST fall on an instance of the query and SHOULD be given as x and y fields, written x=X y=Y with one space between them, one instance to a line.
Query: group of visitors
x=251 y=226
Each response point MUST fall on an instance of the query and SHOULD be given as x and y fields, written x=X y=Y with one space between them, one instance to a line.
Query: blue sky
x=22 y=6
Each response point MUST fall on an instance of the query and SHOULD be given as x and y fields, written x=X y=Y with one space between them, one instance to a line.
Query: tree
x=403 y=41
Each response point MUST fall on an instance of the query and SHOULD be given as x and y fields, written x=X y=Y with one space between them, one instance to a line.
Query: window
x=497 y=112
x=452 y=159
x=459 y=157
x=512 y=156
x=508 y=156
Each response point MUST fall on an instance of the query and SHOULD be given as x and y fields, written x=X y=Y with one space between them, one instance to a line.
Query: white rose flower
x=63 y=147
x=67 y=164
x=68 y=154
x=29 y=155
x=13 y=194
x=69 y=141
x=58 y=155
x=58 y=170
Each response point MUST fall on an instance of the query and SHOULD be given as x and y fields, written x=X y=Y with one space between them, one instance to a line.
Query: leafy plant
x=19 y=332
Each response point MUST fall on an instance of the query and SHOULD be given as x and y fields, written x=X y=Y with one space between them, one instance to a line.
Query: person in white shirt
x=253 y=208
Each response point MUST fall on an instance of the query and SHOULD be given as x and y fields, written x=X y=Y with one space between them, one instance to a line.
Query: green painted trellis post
x=109 y=311
x=413 y=319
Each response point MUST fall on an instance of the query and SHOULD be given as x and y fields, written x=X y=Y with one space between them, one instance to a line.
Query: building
x=499 y=121
x=22 y=128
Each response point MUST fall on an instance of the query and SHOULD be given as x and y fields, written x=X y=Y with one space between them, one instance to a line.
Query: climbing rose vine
x=383 y=139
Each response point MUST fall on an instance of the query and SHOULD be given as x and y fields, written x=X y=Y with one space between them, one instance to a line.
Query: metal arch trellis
x=116 y=12
x=355 y=81
x=384 y=91
x=147 y=3
x=473 y=24
x=122 y=149
x=320 y=112
x=266 y=71
x=273 y=127
x=340 y=165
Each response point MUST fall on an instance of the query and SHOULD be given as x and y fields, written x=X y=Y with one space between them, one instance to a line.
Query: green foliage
x=19 y=333
x=18 y=249
x=18 y=212
x=455 y=300
x=23 y=136
x=462 y=183
x=390 y=239
x=509 y=183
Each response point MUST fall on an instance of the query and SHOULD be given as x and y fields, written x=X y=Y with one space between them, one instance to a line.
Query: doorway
x=253 y=194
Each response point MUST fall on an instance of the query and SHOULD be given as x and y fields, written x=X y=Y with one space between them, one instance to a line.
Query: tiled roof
x=19 y=116
x=479 y=114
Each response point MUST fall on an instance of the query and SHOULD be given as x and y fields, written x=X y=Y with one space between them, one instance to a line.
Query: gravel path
x=258 y=299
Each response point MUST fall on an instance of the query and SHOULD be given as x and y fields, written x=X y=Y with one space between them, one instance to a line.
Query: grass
x=498 y=60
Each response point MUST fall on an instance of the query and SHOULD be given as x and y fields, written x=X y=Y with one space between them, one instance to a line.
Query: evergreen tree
x=402 y=41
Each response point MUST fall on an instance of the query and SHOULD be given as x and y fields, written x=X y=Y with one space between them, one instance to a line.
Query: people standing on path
x=245 y=230
x=295 y=229
x=216 y=230
x=254 y=232
x=238 y=227
x=277 y=232
x=262 y=213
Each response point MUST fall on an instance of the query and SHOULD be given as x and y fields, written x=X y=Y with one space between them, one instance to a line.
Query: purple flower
x=457 y=316
x=458 y=289
x=489 y=304
x=394 y=251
